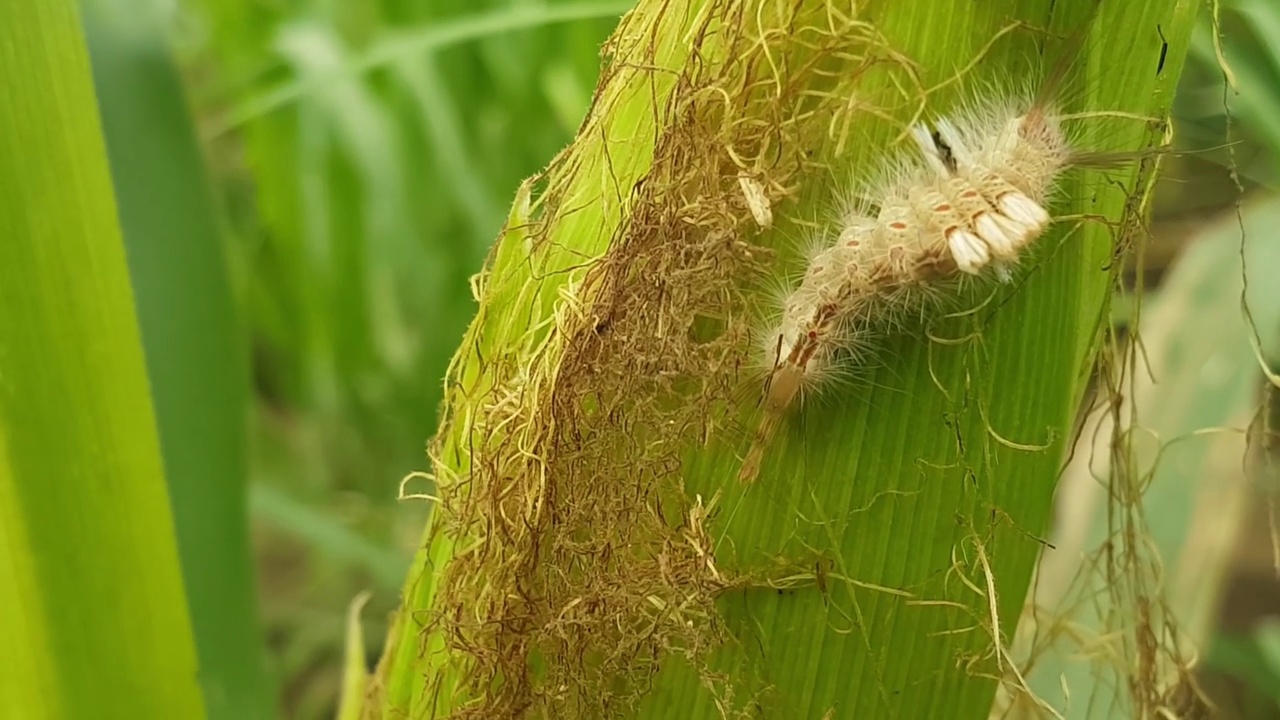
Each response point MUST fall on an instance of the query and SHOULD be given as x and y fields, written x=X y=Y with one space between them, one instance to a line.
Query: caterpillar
x=967 y=203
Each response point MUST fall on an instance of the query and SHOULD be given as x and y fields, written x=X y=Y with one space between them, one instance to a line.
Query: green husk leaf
x=593 y=551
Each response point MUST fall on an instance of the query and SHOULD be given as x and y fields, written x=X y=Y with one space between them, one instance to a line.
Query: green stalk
x=594 y=553
x=91 y=598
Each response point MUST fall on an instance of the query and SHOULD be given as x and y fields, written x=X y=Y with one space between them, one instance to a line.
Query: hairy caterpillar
x=967 y=203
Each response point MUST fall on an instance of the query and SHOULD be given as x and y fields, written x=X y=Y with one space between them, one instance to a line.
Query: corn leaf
x=91 y=597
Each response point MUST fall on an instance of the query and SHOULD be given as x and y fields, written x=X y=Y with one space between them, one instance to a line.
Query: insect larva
x=976 y=201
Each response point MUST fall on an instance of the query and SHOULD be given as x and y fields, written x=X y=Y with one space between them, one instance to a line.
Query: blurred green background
x=306 y=188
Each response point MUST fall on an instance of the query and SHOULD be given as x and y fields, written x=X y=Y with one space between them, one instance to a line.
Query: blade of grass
x=440 y=120
x=90 y=587
x=194 y=346
x=327 y=537
x=429 y=39
x=354 y=672
x=356 y=205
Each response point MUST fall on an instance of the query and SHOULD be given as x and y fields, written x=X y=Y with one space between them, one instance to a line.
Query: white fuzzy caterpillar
x=973 y=200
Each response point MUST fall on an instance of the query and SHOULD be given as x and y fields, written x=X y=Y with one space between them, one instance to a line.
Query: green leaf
x=354 y=672
x=91 y=597
x=194 y=344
